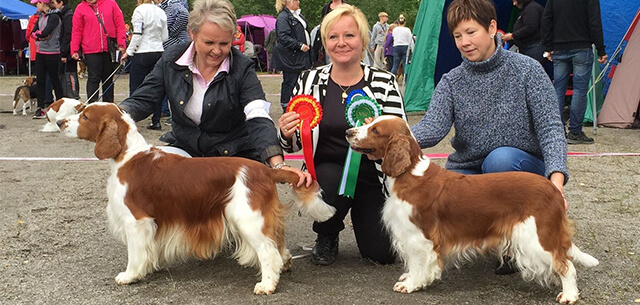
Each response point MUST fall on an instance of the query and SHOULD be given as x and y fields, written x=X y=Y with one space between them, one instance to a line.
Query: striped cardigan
x=379 y=84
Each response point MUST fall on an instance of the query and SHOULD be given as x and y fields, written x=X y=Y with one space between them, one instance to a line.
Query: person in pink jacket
x=93 y=22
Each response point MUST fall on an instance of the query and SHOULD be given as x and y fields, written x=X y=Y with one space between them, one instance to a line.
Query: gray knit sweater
x=507 y=100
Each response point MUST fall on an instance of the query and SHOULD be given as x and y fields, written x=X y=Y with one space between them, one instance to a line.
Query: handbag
x=70 y=83
x=112 y=42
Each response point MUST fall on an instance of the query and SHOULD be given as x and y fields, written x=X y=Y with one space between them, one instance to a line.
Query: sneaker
x=325 y=251
x=39 y=114
x=580 y=138
x=154 y=126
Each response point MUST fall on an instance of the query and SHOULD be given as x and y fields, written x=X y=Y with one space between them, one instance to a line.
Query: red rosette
x=310 y=113
x=307 y=107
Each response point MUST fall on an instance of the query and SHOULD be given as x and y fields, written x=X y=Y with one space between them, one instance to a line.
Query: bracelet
x=279 y=165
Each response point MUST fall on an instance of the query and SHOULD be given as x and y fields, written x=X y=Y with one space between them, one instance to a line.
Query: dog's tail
x=308 y=199
x=582 y=258
x=16 y=95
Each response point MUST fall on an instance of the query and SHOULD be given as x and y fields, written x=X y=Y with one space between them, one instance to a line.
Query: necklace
x=344 y=91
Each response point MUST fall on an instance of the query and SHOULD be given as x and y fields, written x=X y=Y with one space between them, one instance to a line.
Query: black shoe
x=580 y=138
x=506 y=268
x=154 y=126
x=325 y=251
x=39 y=114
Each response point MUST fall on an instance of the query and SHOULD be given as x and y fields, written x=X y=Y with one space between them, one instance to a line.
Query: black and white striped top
x=379 y=84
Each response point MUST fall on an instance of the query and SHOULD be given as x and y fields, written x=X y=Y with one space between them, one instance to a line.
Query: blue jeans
x=399 y=56
x=288 y=83
x=507 y=159
x=580 y=61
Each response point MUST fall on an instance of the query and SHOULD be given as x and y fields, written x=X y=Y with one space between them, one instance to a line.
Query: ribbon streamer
x=310 y=113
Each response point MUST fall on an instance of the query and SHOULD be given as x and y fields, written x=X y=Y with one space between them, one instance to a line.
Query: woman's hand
x=507 y=37
x=304 y=176
x=305 y=48
x=123 y=57
x=288 y=123
x=75 y=56
x=557 y=178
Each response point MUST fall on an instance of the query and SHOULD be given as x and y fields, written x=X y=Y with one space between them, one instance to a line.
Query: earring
x=491 y=36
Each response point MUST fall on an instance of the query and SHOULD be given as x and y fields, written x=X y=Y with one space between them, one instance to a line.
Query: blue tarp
x=16 y=9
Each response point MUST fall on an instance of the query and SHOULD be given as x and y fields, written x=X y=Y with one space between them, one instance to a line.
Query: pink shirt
x=193 y=109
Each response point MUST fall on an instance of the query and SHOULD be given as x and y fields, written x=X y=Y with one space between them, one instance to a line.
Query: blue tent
x=16 y=9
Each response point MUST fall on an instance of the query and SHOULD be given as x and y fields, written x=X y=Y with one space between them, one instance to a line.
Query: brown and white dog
x=166 y=207
x=61 y=109
x=27 y=93
x=436 y=217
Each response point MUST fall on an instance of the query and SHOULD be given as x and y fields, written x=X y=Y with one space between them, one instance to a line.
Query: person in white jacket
x=149 y=24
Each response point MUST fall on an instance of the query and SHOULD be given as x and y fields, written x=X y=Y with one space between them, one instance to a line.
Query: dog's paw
x=567 y=298
x=125 y=278
x=262 y=288
x=406 y=286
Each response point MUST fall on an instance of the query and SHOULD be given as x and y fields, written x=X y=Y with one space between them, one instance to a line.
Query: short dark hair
x=64 y=2
x=481 y=11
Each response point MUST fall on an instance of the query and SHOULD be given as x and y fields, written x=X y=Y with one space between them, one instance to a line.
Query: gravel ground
x=55 y=247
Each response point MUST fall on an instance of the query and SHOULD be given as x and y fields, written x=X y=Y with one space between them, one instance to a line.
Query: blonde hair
x=345 y=10
x=147 y=1
x=391 y=27
x=280 y=4
x=220 y=12
x=401 y=19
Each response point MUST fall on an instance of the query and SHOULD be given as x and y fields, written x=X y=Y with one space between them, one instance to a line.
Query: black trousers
x=366 y=208
x=47 y=65
x=99 y=67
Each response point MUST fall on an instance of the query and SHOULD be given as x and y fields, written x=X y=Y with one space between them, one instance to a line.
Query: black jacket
x=526 y=29
x=287 y=55
x=66 y=19
x=224 y=130
x=572 y=24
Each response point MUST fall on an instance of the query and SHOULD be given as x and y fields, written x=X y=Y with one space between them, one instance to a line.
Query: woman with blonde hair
x=217 y=104
x=291 y=53
x=402 y=38
x=345 y=35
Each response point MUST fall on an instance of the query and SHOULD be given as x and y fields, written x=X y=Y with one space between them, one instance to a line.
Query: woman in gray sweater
x=501 y=104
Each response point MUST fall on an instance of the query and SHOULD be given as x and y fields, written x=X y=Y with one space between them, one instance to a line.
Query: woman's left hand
x=304 y=176
x=507 y=37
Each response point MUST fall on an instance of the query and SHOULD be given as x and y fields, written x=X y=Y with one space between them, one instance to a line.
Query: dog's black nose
x=60 y=122
x=349 y=133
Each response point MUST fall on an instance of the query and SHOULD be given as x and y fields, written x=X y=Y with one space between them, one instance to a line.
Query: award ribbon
x=359 y=107
x=310 y=113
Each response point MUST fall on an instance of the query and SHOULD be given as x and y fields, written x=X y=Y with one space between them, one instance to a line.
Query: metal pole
x=594 y=94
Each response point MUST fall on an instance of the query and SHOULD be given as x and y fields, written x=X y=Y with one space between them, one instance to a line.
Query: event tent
x=622 y=104
x=12 y=31
x=255 y=29
x=435 y=52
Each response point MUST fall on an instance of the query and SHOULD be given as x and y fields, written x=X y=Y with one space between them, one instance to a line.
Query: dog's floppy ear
x=107 y=143
x=397 y=158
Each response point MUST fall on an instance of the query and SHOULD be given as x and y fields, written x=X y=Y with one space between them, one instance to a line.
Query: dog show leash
x=124 y=68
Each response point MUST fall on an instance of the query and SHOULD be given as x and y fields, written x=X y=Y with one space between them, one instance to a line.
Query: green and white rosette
x=359 y=108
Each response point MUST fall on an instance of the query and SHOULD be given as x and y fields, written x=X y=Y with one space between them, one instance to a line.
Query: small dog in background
x=27 y=93
x=61 y=109
x=82 y=69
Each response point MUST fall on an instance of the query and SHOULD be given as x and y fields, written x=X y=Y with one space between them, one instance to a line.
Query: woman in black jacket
x=526 y=30
x=291 y=54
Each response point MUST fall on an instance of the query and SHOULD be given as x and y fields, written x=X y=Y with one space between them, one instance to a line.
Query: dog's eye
x=374 y=130
x=84 y=117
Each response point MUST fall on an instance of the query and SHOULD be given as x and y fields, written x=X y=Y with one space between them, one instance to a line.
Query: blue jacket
x=224 y=130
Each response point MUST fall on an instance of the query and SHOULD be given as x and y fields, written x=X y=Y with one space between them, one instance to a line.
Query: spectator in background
x=93 y=22
x=319 y=54
x=269 y=45
x=177 y=18
x=67 y=64
x=291 y=54
x=388 y=47
x=569 y=28
x=238 y=40
x=378 y=33
x=402 y=38
x=149 y=33
x=46 y=33
x=526 y=30
x=48 y=99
